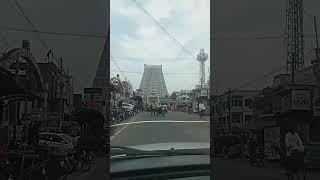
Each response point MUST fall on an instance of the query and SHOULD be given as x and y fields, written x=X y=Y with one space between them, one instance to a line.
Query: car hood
x=175 y=145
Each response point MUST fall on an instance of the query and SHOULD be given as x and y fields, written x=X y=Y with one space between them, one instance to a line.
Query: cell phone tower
x=294 y=37
x=202 y=57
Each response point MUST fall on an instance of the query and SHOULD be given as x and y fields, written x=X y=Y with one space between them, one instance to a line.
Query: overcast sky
x=134 y=35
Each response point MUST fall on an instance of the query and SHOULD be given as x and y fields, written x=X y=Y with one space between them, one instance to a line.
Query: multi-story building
x=184 y=95
x=240 y=113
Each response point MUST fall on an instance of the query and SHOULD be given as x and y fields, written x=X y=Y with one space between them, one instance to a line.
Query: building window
x=236 y=101
x=236 y=117
x=247 y=119
x=248 y=102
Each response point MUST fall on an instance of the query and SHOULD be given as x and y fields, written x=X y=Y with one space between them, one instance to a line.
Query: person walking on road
x=202 y=109
x=292 y=143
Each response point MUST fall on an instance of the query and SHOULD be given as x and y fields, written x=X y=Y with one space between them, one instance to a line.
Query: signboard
x=271 y=142
x=300 y=100
x=204 y=93
x=316 y=103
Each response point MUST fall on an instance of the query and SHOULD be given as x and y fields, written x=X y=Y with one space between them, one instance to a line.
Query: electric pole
x=229 y=110
x=317 y=60
x=61 y=89
x=68 y=77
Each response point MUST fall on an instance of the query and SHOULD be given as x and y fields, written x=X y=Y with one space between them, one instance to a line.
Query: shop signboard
x=204 y=93
x=300 y=100
x=271 y=142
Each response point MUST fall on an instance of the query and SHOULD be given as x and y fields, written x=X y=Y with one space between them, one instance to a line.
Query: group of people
x=156 y=110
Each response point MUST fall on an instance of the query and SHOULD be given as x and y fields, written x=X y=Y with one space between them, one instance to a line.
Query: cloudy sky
x=134 y=35
x=136 y=39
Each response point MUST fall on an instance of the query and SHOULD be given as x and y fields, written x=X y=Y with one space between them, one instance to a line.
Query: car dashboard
x=179 y=167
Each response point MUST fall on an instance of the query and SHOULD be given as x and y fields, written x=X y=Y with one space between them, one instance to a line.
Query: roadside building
x=297 y=103
x=241 y=111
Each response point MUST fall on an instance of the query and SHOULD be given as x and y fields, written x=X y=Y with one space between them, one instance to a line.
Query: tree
x=173 y=96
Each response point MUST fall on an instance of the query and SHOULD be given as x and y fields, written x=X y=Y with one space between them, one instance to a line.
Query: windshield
x=162 y=63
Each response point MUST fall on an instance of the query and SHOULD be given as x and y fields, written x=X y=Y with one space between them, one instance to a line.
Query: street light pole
x=229 y=110
x=61 y=98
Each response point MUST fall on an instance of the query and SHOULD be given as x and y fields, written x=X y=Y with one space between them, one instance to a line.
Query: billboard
x=300 y=100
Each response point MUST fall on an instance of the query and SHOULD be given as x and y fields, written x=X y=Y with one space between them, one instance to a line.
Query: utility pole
x=69 y=92
x=295 y=38
x=229 y=110
x=317 y=60
x=61 y=89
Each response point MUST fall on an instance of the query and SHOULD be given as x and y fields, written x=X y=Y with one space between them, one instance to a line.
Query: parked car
x=127 y=106
x=61 y=143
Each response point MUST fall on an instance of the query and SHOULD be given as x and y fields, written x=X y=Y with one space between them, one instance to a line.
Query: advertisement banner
x=301 y=100
x=316 y=103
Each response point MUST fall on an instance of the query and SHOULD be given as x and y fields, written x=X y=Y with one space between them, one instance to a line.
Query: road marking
x=157 y=121
x=120 y=130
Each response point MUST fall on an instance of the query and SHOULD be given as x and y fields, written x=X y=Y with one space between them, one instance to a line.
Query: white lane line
x=120 y=130
x=157 y=121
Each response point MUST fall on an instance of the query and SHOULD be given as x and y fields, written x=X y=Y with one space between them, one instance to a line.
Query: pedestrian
x=202 y=109
x=151 y=110
x=292 y=143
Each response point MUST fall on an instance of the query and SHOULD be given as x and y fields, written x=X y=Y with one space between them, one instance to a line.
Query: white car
x=128 y=106
x=61 y=143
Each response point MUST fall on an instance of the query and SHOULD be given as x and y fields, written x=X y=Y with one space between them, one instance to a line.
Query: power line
x=36 y=33
x=118 y=67
x=217 y=38
x=155 y=73
x=53 y=33
x=239 y=38
x=162 y=27
x=267 y=74
x=150 y=58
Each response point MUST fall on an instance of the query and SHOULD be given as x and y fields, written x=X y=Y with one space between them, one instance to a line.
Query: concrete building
x=153 y=84
x=240 y=111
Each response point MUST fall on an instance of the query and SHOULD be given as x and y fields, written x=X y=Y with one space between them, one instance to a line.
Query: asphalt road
x=165 y=132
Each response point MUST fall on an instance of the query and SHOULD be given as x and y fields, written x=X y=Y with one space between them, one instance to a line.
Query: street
x=148 y=133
